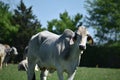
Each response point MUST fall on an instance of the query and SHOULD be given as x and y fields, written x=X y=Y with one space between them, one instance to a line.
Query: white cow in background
x=57 y=52
x=5 y=52
x=23 y=65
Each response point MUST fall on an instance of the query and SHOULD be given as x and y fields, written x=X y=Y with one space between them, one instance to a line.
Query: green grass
x=11 y=73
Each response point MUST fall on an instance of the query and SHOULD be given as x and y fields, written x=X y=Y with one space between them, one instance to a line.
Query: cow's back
x=41 y=36
x=38 y=39
x=45 y=35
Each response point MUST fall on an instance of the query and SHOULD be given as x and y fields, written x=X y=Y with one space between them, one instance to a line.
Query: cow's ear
x=75 y=36
x=80 y=24
x=71 y=41
x=90 y=39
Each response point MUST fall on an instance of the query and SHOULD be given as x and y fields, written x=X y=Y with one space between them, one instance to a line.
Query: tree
x=104 y=16
x=7 y=30
x=28 y=25
x=58 y=26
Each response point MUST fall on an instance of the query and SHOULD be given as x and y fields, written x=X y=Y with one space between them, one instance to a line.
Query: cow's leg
x=71 y=75
x=44 y=73
x=31 y=72
x=25 y=66
x=6 y=64
x=36 y=68
x=0 y=62
x=60 y=74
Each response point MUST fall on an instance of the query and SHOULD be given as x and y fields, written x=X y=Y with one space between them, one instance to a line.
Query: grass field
x=11 y=73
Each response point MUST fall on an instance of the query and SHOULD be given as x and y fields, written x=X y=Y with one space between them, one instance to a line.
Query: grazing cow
x=23 y=66
x=5 y=52
x=57 y=52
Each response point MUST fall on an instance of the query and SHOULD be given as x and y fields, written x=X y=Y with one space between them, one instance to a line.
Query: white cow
x=53 y=52
x=5 y=52
x=23 y=65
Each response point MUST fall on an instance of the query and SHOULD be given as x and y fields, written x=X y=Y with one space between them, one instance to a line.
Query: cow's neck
x=74 y=50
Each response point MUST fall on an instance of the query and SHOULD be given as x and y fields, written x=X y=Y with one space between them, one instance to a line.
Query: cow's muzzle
x=81 y=47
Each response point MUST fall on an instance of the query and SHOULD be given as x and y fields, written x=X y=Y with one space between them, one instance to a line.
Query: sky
x=46 y=10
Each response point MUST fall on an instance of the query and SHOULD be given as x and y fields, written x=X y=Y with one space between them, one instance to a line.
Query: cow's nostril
x=81 y=47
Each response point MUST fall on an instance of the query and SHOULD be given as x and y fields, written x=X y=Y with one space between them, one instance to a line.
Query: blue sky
x=46 y=10
x=50 y=9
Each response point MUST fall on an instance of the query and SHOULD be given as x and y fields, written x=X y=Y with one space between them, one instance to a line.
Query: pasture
x=11 y=73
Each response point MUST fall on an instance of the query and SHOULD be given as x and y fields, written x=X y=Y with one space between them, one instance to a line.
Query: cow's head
x=83 y=37
x=14 y=51
x=11 y=51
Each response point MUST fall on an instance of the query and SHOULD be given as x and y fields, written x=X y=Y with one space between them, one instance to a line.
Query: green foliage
x=65 y=21
x=11 y=73
x=7 y=30
x=113 y=44
x=102 y=56
x=105 y=18
x=28 y=25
